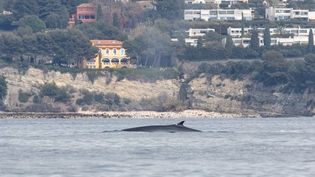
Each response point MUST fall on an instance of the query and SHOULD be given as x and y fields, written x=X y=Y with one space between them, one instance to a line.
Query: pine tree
x=310 y=41
x=267 y=37
x=254 y=40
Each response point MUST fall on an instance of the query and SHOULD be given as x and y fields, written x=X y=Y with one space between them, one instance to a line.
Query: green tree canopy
x=170 y=9
x=254 y=40
x=267 y=37
x=32 y=21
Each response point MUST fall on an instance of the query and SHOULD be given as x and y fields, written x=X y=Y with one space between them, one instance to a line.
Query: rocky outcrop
x=213 y=93
x=33 y=79
x=216 y=93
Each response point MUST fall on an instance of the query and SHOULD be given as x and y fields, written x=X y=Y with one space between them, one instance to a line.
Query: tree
x=72 y=4
x=100 y=31
x=99 y=14
x=229 y=45
x=54 y=20
x=310 y=46
x=152 y=48
x=71 y=46
x=272 y=56
x=3 y=88
x=10 y=46
x=199 y=43
x=254 y=40
x=170 y=9
x=116 y=21
x=242 y=27
x=25 y=7
x=267 y=37
x=32 y=21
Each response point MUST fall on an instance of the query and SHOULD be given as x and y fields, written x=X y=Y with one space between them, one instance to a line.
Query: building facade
x=218 y=14
x=215 y=1
x=86 y=13
x=279 y=36
x=111 y=54
x=298 y=31
x=199 y=32
x=285 y=14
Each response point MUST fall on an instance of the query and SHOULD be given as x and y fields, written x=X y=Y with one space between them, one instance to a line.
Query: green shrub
x=3 y=88
x=87 y=99
x=58 y=94
x=24 y=96
x=36 y=99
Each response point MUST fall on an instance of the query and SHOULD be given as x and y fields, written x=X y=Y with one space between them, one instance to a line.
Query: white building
x=237 y=32
x=191 y=42
x=195 y=33
x=289 y=41
x=218 y=2
x=218 y=14
x=195 y=1
x=283 y=14
x=285 y=36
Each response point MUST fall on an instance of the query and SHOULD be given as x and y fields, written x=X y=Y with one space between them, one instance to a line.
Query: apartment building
x=215 y=1
x=195 y=33
x=279 y=36
x=218 y=14
x=298 y=31
x=285 y=14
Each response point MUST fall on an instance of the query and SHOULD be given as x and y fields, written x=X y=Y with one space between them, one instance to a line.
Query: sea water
x=279 y=147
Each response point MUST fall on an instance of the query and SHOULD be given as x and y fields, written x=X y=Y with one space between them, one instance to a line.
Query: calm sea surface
x=229 y=147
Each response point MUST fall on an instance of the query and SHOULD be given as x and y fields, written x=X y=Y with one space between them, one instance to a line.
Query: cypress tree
x=242 y=32
x=99 y=13
x=310 y=41
x=267 y=37
x=254 y=40
x=199 y=43
x=116 y=21
x=229 y=45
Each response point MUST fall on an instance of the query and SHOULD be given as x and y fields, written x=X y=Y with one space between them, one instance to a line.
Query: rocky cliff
x=211 y=93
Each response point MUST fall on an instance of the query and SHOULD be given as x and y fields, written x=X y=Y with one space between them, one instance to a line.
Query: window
x=115 y=51
x=107 y=51
x=106 y=61
x=122 y=51
x=115 y=60
x=213 y=13
x=124 y=61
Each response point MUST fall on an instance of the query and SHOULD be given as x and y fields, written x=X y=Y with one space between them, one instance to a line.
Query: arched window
x=107 y=51
x=124 y=61
x=115 y=60
x=106 y=61
x=115 y=51
x=122 y=51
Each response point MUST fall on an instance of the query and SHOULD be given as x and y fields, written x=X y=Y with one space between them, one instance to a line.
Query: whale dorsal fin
x=181 y=123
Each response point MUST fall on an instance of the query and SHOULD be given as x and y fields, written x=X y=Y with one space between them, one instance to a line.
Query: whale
x=173 y=128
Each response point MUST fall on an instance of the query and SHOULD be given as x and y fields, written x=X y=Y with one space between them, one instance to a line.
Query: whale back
x=179 y=127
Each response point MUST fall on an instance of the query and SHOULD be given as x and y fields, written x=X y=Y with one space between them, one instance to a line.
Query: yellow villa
x=111 y=55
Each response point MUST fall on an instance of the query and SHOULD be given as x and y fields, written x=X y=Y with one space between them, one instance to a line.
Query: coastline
x=129 y=114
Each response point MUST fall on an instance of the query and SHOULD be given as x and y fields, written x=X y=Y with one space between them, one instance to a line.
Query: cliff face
x=211 y=93
x=34 y=79
x=226 y=95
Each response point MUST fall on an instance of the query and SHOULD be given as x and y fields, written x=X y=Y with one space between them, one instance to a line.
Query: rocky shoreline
x=130 y=114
